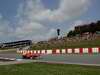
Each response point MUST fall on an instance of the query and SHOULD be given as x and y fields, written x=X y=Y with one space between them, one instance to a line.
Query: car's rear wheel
x=24 y=57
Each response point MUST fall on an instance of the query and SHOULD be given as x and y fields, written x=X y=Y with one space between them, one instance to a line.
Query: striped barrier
x=63 y=51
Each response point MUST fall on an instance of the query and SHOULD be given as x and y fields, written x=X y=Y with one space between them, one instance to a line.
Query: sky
x=38 y=20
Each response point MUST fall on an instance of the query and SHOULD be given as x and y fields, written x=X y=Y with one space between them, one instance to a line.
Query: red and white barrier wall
x=63 y=51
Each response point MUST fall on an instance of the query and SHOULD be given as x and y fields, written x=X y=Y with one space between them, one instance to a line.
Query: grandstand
x=16 y=44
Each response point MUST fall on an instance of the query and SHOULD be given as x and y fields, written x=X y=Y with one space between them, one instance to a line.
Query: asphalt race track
x=57 y=58
x=9 y=54
x=73 y=59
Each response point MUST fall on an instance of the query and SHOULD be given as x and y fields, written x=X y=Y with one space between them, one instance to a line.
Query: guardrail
x=7 y=59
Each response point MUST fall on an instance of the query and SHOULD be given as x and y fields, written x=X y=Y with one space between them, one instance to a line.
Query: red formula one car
x=30 y=56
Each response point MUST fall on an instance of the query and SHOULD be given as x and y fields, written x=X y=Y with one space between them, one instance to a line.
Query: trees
x=71 y=33
x=91 y=28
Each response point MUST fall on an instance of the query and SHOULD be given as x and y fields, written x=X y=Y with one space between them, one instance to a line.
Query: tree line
x=79 y=30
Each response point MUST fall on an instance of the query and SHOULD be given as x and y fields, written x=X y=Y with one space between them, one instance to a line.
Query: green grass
x=48 y=69
x=81 y=44
x=77 y=44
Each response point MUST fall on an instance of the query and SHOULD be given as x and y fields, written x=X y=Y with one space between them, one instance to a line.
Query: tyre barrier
x=63 y=51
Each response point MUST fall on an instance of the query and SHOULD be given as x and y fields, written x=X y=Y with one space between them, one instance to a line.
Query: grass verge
x=48 y=69
x=61 y=45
